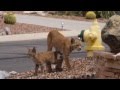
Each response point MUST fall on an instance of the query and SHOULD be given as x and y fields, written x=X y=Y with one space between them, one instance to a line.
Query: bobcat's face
x=76 y=45
x=31 y=52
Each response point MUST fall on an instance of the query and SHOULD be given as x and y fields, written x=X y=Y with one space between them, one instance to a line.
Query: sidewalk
x=34 y=36
x=75 y=27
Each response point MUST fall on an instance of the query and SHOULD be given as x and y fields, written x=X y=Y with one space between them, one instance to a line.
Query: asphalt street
x=55 y=22
x=13 y=55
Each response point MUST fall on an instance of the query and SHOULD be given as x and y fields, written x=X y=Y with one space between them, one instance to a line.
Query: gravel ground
x=81 y=69
x=21 y=28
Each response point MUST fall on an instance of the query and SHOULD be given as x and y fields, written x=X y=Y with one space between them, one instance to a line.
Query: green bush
x=106 y=14
x=98 y=14
x=70 y=13
x=9 y=18
x=90 y=15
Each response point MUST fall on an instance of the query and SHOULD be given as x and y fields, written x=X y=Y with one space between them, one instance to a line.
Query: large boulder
x=111 y=34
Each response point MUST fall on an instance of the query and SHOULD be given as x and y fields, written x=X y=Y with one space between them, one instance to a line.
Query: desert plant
x=90 y=15
x=105 y=14
x=73 y=13
x=9 y=18
x=97 y=14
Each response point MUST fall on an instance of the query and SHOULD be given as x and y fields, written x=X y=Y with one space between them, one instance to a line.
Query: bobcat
x=62 y=45
x=42 y=58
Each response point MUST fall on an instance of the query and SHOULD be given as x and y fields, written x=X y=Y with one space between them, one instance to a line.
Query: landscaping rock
x=29 y=12
x=35 y=12
x=4 y=74
x=7 y=31
x=110 y=67
x=12 y=72
x=111 y=34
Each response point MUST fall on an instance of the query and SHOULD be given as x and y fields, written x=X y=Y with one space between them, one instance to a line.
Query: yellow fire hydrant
x=92 y=39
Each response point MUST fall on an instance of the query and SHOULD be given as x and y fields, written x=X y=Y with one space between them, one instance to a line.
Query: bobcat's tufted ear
x=34 y=50
x=72 y=40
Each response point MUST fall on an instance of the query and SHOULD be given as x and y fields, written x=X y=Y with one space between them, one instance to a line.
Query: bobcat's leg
x=66 y=58
x=67 y=63
x=42 y=68
x=48 y=66
x=36 y=68
x=59 y=64
x=50 y=46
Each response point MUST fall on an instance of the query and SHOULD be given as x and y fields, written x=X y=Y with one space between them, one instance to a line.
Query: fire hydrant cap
x=81 y=35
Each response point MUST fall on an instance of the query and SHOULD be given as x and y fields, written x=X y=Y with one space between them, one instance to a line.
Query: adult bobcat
x=42 y=58
x=63 y=45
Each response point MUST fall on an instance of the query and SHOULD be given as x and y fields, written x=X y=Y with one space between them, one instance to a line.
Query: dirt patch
x=22 y=28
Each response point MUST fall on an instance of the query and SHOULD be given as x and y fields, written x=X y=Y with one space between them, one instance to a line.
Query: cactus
x=90 y=15
x=9 y=18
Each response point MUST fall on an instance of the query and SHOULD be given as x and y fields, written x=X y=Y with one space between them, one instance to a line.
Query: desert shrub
x=106 y=14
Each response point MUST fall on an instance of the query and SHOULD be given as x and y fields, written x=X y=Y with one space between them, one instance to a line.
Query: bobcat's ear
x=72 y=40
x=34 y=50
